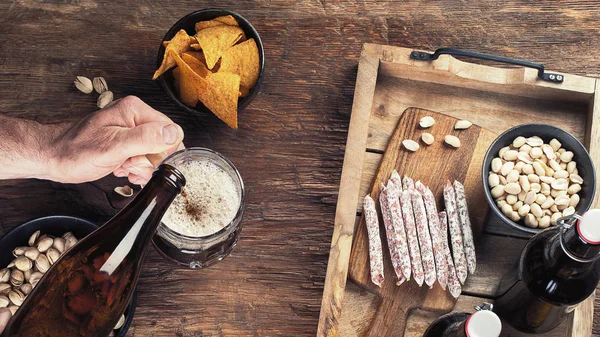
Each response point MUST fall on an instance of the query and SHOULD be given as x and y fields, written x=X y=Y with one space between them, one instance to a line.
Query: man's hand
x=116 y=140
x=5 y=316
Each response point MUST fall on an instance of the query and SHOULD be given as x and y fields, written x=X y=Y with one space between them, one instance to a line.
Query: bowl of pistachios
x=29 y=250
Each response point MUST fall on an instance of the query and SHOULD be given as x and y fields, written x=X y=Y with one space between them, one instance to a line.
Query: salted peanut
x=534 y=141
x=547 y=180
x=555 y=216
x=493 y=180
x=574 y=188
x=530 y=198
x=531 y=221
x=452 y=141
x=555 y=144
x=535 y=187
x=566 y=156
x=497 y=191
x=556 y=193
x=507 y=210
x=536 y=152
x=502 y=151
x=560 y=184
x=554 y=165
x=548 y=152
x=527 y=169
x=518 y=142
x=571 y=166
x=524 y=182
x=562 y=200
x=511 y=199
x=562 y=207
x=574 y=201
x=536 y=210
x=549 y=171
x=410 y=145
x=525 y=148
x=569 y=211
x=563 y=165
x=512 y=176
x=524 y=210
x=427 y=138
x=462 y=124
x=496 y=164
x=540 y=198
x=517 y=205
x=507 y=167
x=545 y=189
x=561 y=150
x=554 y=208
x=538 y=168
x=547 y=203
x=544 y=222
x=519 y=166
x=512 y=188
x=521 y=196
x=576 y=178
x=524 y=157
x=510 y=155
x=502 y=180
x=501 y=203
x=561 y=174
x=426 y=122
x=514 y=216
x=533 y=178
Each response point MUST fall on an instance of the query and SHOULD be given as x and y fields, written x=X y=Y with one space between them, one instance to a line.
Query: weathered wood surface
x=290 y=145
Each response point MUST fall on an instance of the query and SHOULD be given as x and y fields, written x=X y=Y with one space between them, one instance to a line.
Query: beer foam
x=213 y=196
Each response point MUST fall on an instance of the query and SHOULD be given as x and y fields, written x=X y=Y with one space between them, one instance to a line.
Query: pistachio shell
x=59 y=244
x=53 y=255
x=42 y=263
x=4 y=275
x=19 y=251
x=71 y=241
x=125 y=191
x=44 y=244
x=22 y=263
x=4 y=301
x=120 y=322
x=32 y=253
x=84 y=84
x=26 y=288
x=104 y=99
x=16 y=278
x=16 y=297
x=100 y=84
x=13 y=309
x=35 y=278
x=4 y=288
x=33 y=238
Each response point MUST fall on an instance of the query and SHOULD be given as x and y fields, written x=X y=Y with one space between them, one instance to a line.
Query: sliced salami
x=458 y=250
x=441 y=265
x=408 y=183
x=398 y=224
x=375 y=251
x=465 y=224
x=411 y=237
x=424 y=237
x=453 y=282
x=393 y=239
x=395 y=178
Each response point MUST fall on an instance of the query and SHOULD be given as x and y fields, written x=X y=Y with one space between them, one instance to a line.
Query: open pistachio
x=42 y=263
x=4 y=302
x=16 y=297
x=70 y=241
x=125 y=191
x=4 y=275
x=100 y=84
x=26 y=288
x=84 y=84
x=27 y=274
x=104 y=99
x=59 y=244
x=32 y=253
x=53 y=255
x=44 y=244
x=19 y=251
x=16 y=278
x=4 y=288
x=22 y=263
x=33 y=238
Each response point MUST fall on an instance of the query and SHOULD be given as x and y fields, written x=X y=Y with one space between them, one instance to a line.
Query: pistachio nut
x=59 y=244
x=70 y=241
x=120 y=322
x=4 y=275
x=16 y=278
x=4 y=288
x=33 y=238
x=13 y=309
x=100 y=84
x=27 y=274
x=84 y=84
x=22 y=263
x=32 y=253
x=104 y=99
x=26 y=288
x=19 y=251
x=4 y=302
x=16 y=297
x=125 y=191
x=44 y=244
x=35 y=278
x=42 y=263
x=53 y=255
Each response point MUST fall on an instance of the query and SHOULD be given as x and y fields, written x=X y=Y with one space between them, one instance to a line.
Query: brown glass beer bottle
x=481 y=323
x=89 y=287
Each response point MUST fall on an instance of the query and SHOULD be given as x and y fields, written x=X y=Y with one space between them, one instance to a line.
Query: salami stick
x=465 y=223
x=436 y=236
x=453 y=282
x=408 y=183
x=411 y=238
x=375 y=251
x=393 y=239
x=458 y=250
x=398 y=224
x=396 y=180
x=424 y=237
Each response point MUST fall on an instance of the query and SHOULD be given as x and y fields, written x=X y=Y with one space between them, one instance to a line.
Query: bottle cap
x=589 y=227
x=483 y=323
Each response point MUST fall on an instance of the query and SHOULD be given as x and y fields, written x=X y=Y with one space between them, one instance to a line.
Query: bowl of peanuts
x=534 y=174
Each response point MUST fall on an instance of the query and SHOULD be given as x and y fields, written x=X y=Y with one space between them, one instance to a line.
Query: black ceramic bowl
x=546 y=132
x=167 y=82
x=56 y=226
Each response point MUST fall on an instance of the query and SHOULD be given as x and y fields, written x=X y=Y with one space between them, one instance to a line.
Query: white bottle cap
x=589 y=227
x=483 y=323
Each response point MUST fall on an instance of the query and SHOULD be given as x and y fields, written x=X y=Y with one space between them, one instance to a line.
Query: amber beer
x=557 y=270
x=90 y=286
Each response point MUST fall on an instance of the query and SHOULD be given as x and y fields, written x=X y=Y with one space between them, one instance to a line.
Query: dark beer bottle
x=557 y=270
x=88 y=288
x=481 y=323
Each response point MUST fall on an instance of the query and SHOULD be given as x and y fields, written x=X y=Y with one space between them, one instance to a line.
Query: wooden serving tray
x=495 y=99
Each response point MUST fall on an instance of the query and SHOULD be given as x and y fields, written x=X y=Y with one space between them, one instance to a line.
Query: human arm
x=115 y=139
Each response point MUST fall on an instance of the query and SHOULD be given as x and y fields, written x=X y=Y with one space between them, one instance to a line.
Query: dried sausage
x=408 y=183
x=398 y=224
x=395 y=178
x=411 y=238
x=424 y=237
x=375 y=251
x=393 y=238
x=453 y=282
x=465 y=223
x=441 y=265
x=458 y=250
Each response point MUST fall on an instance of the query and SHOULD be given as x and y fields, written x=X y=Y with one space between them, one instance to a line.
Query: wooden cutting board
x=433 y=165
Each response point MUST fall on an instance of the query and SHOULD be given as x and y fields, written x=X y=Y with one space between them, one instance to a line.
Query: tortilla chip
x=242 y=59
x=192 y=40
x=190 y=83
x=177 y=77
x=222 y=96
x=195 y=46
x=197 y=66
x=244 y=91
x=221 y=20
x=179 y=44
x=216 y=40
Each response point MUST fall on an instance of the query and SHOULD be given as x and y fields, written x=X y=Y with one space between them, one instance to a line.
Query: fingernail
x=169 y=133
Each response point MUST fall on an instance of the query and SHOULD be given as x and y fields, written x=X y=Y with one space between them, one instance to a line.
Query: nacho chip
x=221 y=20
x=192 y=40
x=177 y=77
x=197 y=66
x=196 y=46
x=222 y=97
x=190 y=83
x=198 y=55
x=244 y=91
x=216 y=40
x=242 y=59
x=179 y=44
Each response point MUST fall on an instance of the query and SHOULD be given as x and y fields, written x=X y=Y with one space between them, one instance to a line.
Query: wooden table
x=290 y=144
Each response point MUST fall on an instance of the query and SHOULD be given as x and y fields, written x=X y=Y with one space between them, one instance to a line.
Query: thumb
x=5 y=316
x=153 y=137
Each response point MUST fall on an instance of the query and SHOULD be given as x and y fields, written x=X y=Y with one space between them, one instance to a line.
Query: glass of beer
x=204 y=222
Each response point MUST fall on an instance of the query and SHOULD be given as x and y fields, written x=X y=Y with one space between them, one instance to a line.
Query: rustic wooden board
x=433 y=165
x=388 y=83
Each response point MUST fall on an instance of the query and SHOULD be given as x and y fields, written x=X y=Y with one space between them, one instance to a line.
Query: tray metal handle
x=423 y=56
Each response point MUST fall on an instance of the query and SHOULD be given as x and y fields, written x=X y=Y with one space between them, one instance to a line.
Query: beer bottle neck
x=574 y=250
x=483 y=323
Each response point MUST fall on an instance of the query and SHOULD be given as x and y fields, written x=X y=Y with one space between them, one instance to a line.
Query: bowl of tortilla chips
x=211 y=60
